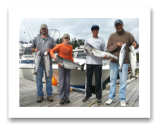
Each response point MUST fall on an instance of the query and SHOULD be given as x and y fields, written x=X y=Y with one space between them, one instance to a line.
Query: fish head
x=131 y=48
x=45 y=53
x=123 y=47
x=88 y=47
x=59 y=59
x=38 y=54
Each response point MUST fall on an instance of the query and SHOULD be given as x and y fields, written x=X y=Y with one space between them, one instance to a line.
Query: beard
x=44 y=33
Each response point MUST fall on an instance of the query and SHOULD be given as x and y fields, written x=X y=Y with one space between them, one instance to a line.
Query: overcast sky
x=76 y=27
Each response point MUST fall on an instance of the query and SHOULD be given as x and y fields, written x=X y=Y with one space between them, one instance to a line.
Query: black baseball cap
x=95 y=27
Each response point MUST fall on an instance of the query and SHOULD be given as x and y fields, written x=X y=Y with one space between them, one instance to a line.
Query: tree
x=58 y=41
x=61 y=40
x=75 y=43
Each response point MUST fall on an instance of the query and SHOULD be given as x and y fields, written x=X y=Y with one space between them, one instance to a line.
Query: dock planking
x=28 y=96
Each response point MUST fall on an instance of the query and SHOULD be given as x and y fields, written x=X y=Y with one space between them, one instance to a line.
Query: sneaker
x=123 y=104
x=39 y=99
x=50 y=98
x=61 y=101
x=109 y=101
x=85 y=99
x=98 y=100
x=67 y=100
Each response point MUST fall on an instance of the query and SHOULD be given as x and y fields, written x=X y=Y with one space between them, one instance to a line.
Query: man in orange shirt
x=65 y=51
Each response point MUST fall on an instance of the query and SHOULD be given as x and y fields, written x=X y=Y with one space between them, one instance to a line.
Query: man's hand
x=119 y=44
x=48 y=50
x=36 y=50
x=106 y=57
x=54 y=57
x=134 y=44
x=85 y=48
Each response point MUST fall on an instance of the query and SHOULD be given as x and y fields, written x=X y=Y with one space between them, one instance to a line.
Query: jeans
x=39 y=83
x=114 y=67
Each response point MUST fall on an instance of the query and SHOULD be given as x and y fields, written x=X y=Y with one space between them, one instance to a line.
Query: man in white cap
x=43 y=42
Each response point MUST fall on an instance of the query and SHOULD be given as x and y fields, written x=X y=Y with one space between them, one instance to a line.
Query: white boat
x=26 y=70
x=78 y=78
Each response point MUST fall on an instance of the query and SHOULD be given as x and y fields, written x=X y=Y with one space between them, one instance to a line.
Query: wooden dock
x=28 y=96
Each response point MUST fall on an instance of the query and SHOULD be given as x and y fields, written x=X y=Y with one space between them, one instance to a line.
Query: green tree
x=58 y=41
x=61 y=40
x=75 y=43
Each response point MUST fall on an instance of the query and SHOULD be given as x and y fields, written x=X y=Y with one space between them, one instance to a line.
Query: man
x=115 y=42
x=43 y=42
x=94 y=64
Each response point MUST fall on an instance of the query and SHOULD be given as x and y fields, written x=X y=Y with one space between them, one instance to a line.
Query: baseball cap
x=66 y=35
x=118 y=21
x=44 y=26
x=95 y=27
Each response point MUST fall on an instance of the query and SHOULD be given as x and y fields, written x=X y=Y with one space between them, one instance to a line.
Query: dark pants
x=98 y=75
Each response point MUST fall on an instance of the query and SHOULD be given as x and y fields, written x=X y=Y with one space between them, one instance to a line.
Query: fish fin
x=82 y=68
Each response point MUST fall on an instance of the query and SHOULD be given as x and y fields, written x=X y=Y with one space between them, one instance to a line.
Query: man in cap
x=43 y=42
x=115 y=42
x=94 y=63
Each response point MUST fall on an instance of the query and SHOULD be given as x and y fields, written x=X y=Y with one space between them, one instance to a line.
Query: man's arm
x=110 y=46
x=33 y=46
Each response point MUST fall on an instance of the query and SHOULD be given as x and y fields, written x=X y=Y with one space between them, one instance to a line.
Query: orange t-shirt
x=64 y=51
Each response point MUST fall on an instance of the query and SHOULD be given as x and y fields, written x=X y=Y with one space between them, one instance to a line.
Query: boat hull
x=77 y=76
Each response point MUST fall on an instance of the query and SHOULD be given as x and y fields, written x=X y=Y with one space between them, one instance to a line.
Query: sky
x=79 y=28
x=137 y=20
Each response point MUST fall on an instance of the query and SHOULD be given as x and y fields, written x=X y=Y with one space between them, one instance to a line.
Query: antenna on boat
x=26 y=37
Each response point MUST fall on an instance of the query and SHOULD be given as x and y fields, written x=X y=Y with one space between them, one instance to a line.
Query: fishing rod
x=33 y=26
x=29 y=28
x=26 y=29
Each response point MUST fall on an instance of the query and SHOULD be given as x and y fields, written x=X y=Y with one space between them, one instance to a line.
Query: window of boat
x=27 y=61
x=27 y=50
x=81 y=55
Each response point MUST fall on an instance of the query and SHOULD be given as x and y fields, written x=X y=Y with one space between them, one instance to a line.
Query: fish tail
x=48 y=77
x=35 y=73
x=133 y=77
x=120 y=70
x=115 y=57
x=82 y=68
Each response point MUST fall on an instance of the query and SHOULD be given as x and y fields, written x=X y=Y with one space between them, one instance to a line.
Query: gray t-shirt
x=43 y=45
x=98 y=43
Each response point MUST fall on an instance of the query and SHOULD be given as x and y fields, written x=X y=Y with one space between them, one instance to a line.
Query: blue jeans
x=123 y=79
x=39 y=77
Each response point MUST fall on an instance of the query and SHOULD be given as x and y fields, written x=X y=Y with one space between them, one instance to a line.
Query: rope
x=95 y=101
